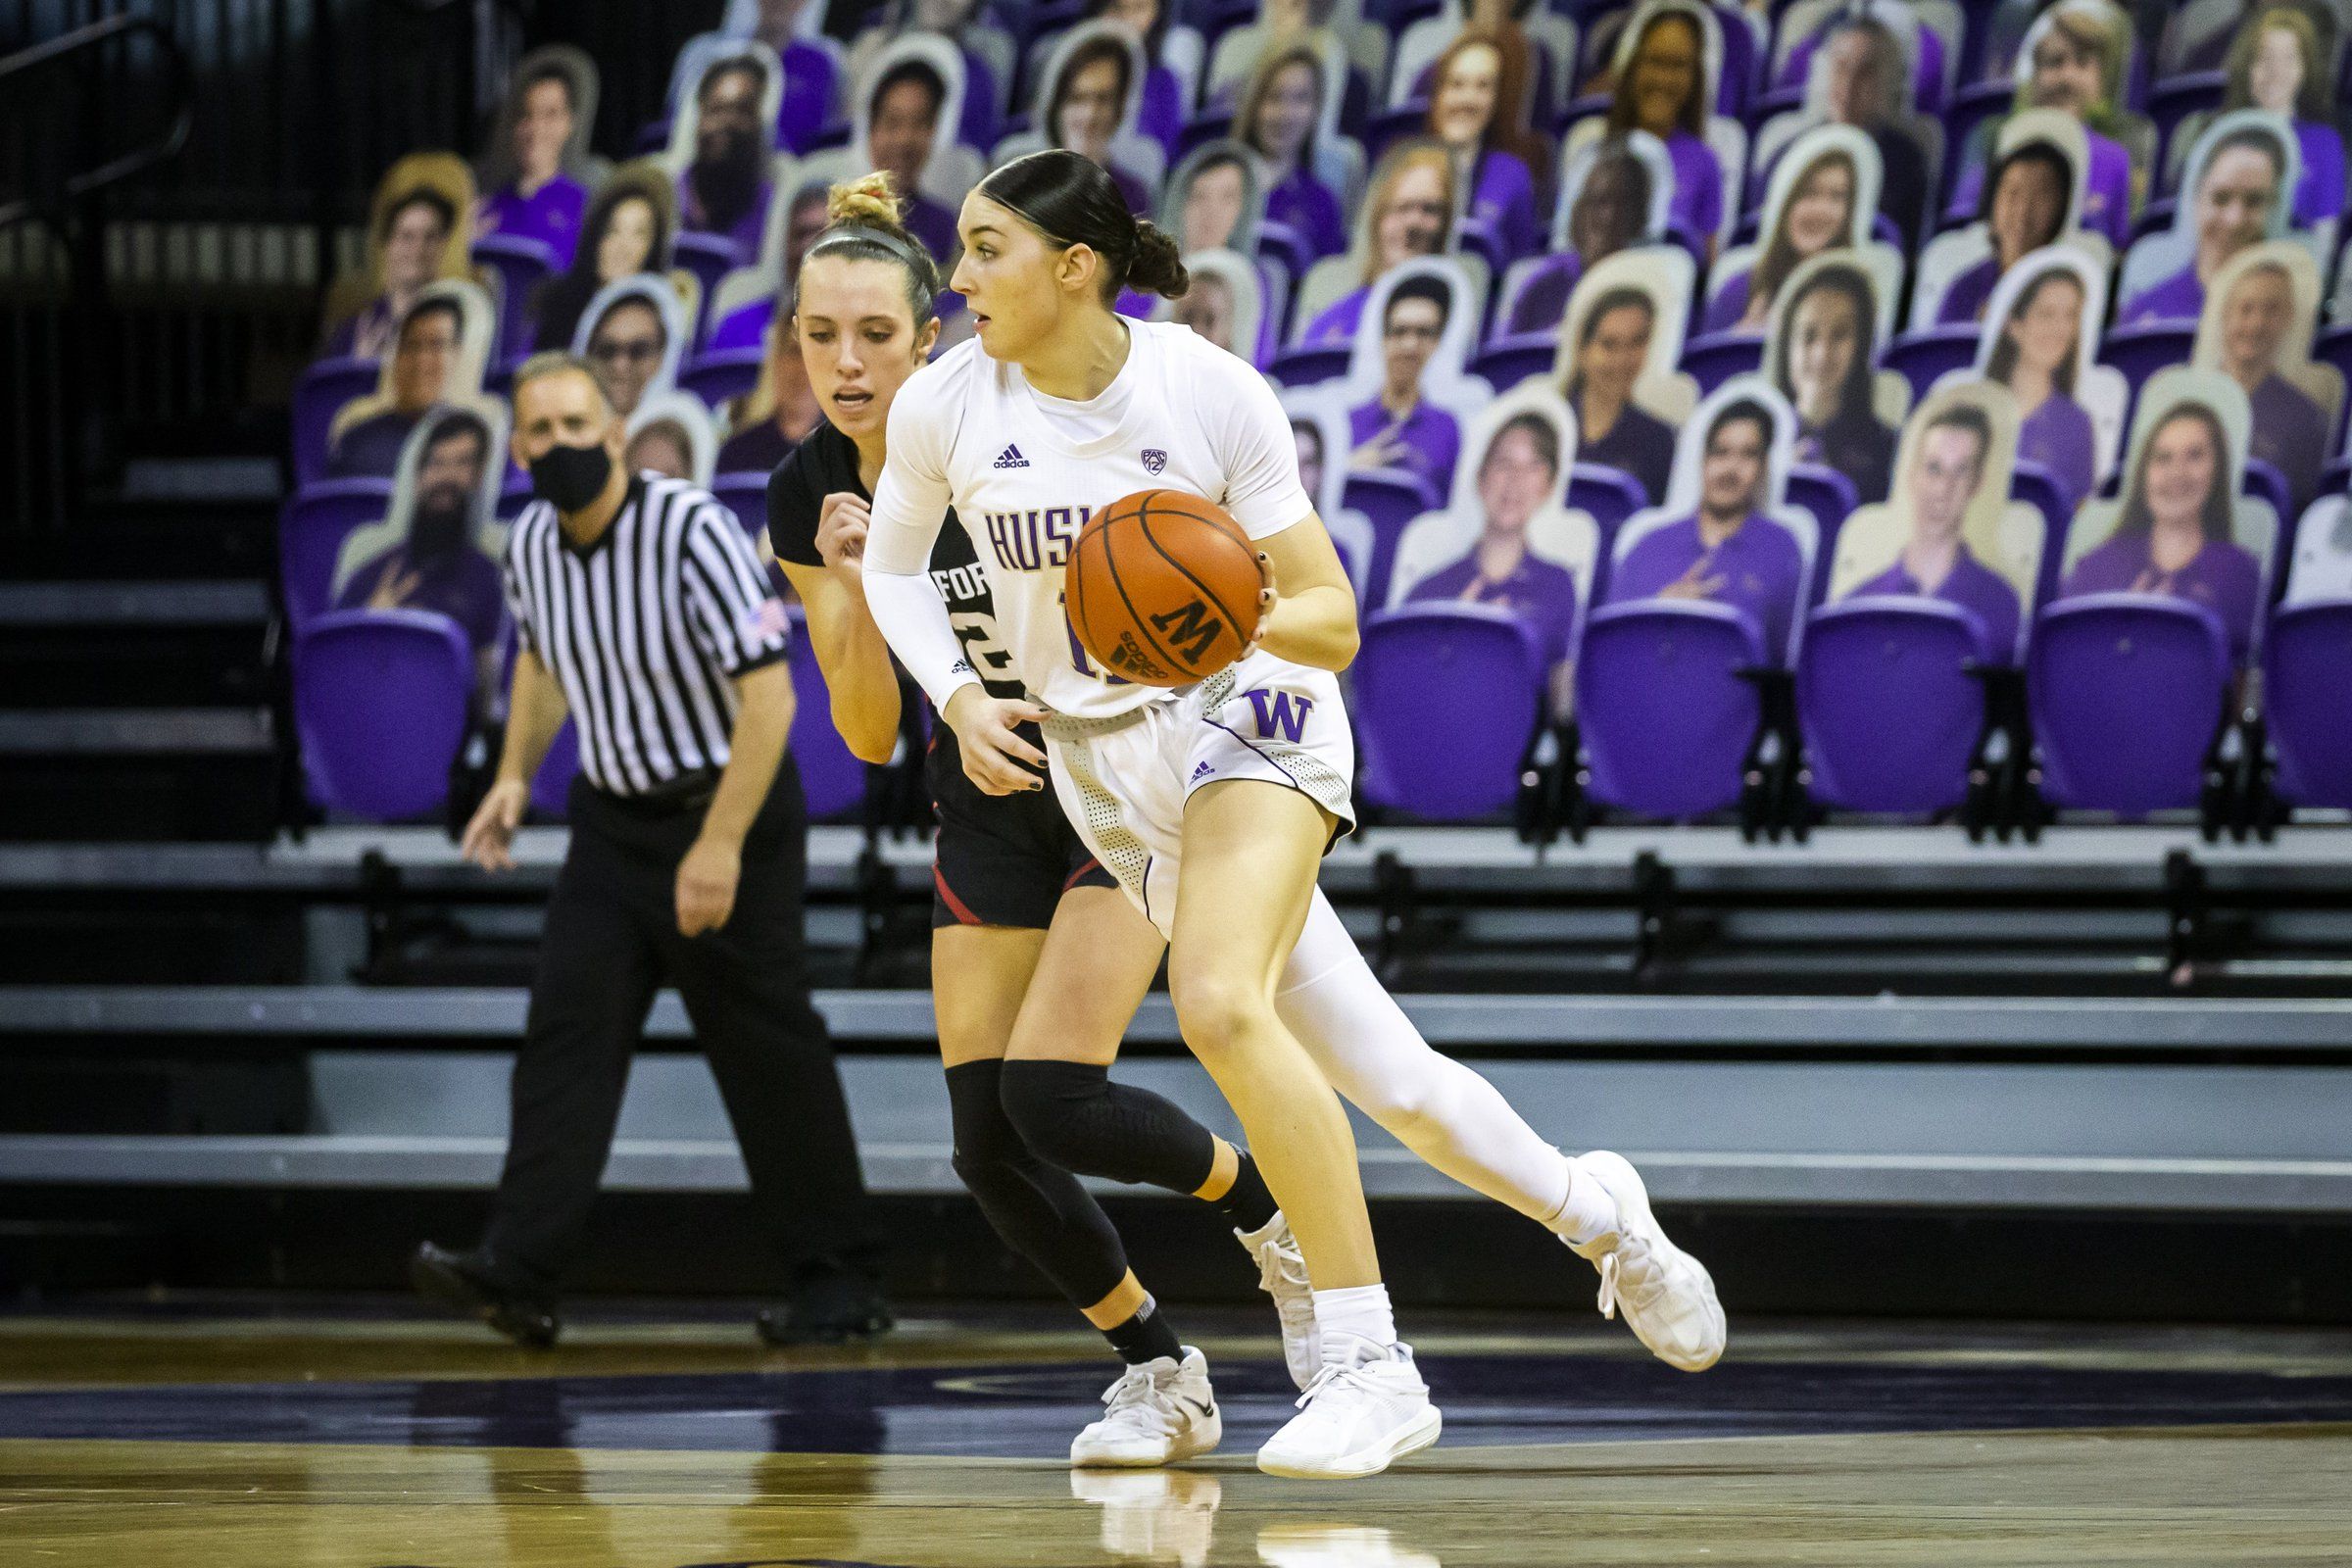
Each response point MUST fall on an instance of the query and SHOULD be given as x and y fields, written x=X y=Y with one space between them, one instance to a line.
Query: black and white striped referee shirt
x=644 y=628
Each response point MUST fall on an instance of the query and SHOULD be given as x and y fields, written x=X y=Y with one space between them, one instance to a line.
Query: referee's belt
x=688 y=792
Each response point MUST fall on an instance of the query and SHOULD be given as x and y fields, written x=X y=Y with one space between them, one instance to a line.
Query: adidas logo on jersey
x=1010 y=457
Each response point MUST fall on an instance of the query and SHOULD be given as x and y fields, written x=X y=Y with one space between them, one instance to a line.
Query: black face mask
x=571 y=476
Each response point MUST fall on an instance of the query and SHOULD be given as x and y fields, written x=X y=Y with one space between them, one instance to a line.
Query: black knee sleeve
x=1076 y=1117
x=1041 y=1210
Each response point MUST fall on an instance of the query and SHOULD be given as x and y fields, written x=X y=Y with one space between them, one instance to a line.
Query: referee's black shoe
x=468 y=1284
x=832 y=1305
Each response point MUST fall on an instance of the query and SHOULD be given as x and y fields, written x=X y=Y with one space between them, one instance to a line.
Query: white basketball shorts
x=1124 y=780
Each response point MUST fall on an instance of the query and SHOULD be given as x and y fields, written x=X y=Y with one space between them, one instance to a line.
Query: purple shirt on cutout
x=550 y=214
x=1539 y=593
x=1972 y=585
x=1302 y=203
x=2222 y=576
x=462 y=584
x=2178 y=298
x=2058 y=436
x=1432 y=440
x=1759 y=565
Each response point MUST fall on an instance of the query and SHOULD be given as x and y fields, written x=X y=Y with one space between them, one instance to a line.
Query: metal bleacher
x=2153 y=1096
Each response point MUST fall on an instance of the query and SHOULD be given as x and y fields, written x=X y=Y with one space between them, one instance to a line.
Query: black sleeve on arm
x=793 y=503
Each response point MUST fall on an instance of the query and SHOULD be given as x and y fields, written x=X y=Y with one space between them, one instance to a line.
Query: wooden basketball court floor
x=290 y=1435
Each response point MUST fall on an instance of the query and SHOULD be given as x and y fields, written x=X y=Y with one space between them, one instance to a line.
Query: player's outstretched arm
x=1309 y=613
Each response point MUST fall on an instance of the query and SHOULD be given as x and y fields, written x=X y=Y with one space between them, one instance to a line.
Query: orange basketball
x=1162 y=588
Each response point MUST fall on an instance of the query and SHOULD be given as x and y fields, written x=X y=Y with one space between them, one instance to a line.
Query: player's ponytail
x=1068 y=200
x=1158 y=265
x=863 y=225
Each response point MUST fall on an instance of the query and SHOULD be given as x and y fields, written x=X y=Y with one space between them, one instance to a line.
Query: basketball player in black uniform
x=1008 y=866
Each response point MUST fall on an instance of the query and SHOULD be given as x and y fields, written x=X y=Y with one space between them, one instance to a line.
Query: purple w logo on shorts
x=1284 y=712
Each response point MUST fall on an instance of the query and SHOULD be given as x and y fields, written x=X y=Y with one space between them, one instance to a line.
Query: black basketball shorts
x=1002 y=859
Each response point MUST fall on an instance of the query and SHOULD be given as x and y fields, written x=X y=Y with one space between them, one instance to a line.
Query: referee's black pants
x=612 y=939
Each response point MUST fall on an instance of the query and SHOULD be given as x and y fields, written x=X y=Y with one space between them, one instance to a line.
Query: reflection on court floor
x=381 y=1445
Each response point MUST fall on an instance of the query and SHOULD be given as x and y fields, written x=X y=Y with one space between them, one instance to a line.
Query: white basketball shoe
x=1160 y=1412
x=1282 y=1274
x=1366 y=1409
x=1667 y=1296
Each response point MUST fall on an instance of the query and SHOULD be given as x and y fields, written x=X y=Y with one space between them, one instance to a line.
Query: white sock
x=1454 y=1119
x=1359 y=1309
x=1587 y=1211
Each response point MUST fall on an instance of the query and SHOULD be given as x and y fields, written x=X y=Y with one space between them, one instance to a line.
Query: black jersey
x=827 y=462
x=1002 y=859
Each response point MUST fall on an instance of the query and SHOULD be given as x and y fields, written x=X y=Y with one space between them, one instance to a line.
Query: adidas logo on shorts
x=1201 y=772
x=1010 y=457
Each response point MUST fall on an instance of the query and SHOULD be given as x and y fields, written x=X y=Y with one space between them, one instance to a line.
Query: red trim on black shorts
x=956 y=906
x=1092 y=864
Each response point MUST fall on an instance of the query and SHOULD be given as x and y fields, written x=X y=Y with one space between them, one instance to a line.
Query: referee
x=643 y=612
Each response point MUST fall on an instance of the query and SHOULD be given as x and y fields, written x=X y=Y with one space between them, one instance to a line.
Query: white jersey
x=1023 y=471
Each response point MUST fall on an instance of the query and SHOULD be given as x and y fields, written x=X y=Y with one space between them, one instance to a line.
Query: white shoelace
x=1352 y=1372
x=1608 y=1284
x=1135 y=1394
x=1274 y=1267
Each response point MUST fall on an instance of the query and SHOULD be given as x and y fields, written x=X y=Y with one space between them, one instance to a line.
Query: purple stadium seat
x=746 y=496
x=1313 y=363
x=2139 y=352
x=1284 y=246
x=514 y=494
x=719 y=375
x=1389 y=127
x=2264 y=482
x=1830 y=497
x=2308 y=650
x=522 y=264
x=311 y=529
x=1716 y=358
x=2176 y=98
x=1608 y=496
x=1933 y=352
x=710 y=258
x=1208 y=126
x=2127 y=691
x=1974 y=104
x=2334 y=346
x=2039 y=489
x=551 y=786
x=743 y=327
x=832 y=778
x=1886 y=705
x=1508 y=360
x=381 y=699
x=319 y=394
x=1389 y=500
x=1477 y=664
x=1541 y=304
x=1666 y=714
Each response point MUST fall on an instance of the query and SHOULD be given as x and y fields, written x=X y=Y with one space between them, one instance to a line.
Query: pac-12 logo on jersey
x=1280 y=714
x=1155 y=460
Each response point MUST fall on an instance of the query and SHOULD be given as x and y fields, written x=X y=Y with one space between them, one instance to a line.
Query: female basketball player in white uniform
x=1012 y=880
x=1240 y=780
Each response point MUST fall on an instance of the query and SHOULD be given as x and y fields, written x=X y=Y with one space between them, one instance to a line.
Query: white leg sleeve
x=1448 y=1116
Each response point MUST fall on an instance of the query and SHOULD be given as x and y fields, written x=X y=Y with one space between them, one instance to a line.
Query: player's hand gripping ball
x=1162 y=588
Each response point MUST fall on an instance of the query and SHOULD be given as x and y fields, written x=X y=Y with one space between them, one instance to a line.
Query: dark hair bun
x=1158 y=265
